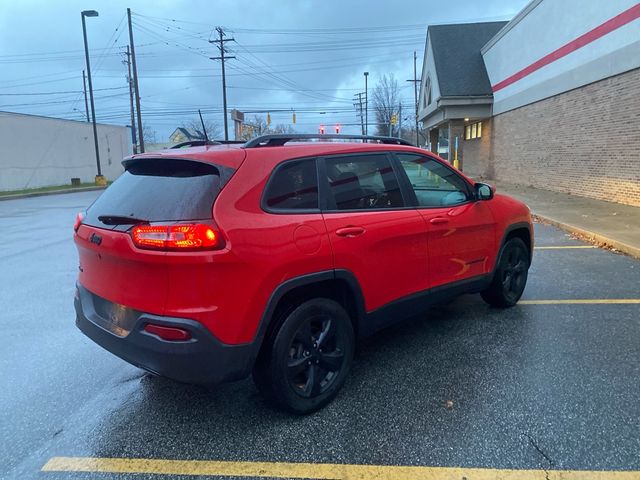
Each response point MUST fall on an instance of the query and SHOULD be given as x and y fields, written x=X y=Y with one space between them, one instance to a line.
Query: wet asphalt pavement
x=465 y=385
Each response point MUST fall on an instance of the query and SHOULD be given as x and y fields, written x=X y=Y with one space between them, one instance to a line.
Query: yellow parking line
x=561 y=247
x=318 y=471
x=581 y=301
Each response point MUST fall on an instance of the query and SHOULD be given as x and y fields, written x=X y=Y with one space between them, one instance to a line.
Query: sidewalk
x=50 y=192
x=612 y=224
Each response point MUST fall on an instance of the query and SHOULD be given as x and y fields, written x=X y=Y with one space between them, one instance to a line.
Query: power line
x=170 y=42
x=58 y=93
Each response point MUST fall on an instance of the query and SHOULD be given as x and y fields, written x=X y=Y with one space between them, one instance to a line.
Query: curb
x=594 y=237
x=52 y=192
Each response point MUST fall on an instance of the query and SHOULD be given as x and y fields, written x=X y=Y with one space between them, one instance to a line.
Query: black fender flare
x=507 y=231
x=305 y=280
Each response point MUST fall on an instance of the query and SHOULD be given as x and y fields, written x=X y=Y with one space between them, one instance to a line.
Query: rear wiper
x=120 y=220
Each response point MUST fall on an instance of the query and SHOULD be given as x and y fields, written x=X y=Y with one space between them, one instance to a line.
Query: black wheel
x=510 y=276
x=306 y=359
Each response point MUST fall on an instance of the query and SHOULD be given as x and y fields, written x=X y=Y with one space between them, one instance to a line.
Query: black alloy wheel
x=305 y=360
x=514 y=272
x=316 y=356
x=510 y=277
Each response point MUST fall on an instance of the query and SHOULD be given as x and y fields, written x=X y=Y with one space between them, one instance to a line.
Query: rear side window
x=158 y=190
x=293 y=186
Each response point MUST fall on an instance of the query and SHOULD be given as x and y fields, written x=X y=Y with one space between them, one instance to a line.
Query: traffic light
x=321 y=130
x=293 y=118
x=337 y=128
x=394 y=119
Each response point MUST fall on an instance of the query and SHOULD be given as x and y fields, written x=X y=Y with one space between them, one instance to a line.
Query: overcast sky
x=302 y=56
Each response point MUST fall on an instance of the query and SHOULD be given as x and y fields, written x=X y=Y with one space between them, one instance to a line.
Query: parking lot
x=549 y=385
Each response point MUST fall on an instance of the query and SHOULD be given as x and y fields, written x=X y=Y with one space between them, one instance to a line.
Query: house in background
x=549 y=99
x=180 y=135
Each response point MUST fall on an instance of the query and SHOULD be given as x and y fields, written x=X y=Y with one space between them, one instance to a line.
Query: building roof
x=184 y=132
x=456 y=52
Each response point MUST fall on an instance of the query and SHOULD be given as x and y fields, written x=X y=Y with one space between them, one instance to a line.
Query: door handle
x=439 y=221
x=350 y=231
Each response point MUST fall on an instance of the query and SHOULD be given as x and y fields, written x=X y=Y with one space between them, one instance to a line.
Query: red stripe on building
x=600 y=31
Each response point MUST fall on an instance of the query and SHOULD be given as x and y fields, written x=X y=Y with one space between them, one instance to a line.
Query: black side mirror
x=483 y=191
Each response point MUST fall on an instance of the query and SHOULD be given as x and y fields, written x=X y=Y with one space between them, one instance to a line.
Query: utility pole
x=135 y=82
x=366 y=104
x=83 y=14
x=134 y=140
x=222 y=58
x=415 y=92
x=359 y=108
x=86 y=103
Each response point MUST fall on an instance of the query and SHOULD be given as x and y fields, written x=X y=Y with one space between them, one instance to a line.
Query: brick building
x=549 y=99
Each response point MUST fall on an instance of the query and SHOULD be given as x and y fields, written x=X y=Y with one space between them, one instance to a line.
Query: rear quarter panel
x=228 y=291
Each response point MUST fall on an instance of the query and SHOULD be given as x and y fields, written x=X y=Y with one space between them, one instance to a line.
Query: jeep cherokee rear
x=207 y=264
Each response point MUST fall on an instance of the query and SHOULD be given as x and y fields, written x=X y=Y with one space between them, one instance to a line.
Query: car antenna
x=204 y=129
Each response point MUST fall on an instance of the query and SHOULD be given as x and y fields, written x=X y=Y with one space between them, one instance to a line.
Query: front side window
x=362 y=182
x=434 y=184
x=294 y=186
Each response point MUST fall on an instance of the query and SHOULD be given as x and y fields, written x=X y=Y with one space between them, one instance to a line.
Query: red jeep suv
x=209 y=263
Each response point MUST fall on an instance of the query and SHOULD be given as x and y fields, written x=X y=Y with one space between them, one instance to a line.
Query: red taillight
x=172 y=334
x=176 y=237
x=78 y=222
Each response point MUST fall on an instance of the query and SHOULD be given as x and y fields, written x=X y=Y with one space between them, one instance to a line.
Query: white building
x=41 y=151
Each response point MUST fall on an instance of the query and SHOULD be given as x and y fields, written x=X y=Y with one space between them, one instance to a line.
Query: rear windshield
x=158 y=190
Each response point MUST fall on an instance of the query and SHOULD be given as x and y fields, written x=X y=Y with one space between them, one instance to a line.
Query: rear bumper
x=203 y=359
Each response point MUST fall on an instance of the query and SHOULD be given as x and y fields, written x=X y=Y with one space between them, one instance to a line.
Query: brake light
x=176 y=237
x=172 y=334
x=78 y=222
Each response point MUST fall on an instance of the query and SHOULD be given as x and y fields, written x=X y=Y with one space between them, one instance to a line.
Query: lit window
x=473 y=131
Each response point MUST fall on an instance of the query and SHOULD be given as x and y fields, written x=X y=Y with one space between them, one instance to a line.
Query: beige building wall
x=584 y=142
x=477 y=153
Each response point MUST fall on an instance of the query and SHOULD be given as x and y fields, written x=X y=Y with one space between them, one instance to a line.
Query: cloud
x=302 y=55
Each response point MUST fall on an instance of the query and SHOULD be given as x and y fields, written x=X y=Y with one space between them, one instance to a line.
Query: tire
x=510 y=276
x=307 y=358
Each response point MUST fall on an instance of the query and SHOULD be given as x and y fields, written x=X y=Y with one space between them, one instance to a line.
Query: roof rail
x=277 y=140
x=194 y=143
x=201 y=143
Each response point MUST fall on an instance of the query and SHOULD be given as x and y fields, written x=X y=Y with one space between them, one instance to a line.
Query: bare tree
x=258 y=126
x=150 y=135
x=194 y=127
x=283 y=128
x=386 y=102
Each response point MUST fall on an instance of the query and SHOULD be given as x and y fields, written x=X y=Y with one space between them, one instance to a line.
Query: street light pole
x=91 y=13
x=366 y=104
x=86 y=102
